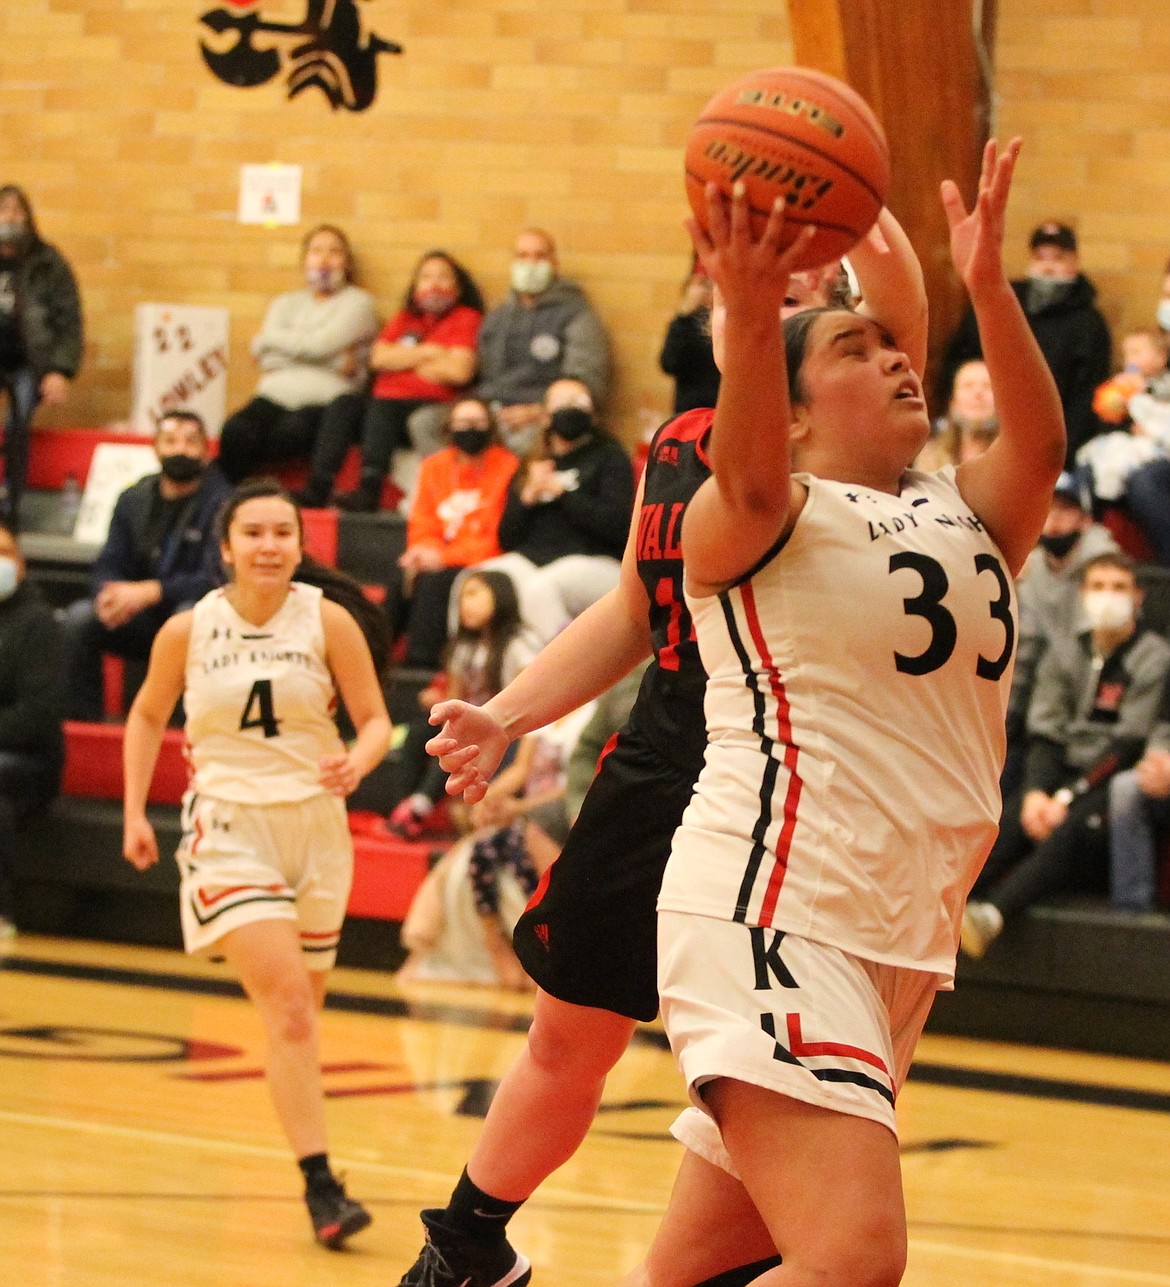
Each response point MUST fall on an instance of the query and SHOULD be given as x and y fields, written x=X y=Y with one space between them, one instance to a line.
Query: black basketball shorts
x=589 y=935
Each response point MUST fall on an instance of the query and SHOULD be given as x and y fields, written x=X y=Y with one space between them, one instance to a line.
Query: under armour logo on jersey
x=767 y=960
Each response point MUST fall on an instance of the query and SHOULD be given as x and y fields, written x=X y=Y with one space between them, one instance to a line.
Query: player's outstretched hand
x=747 y=268
x=469 y=747
x=977 y=237
x=339 y=774
x=139 y=846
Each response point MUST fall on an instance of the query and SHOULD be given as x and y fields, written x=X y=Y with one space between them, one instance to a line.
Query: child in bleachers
x=489 y=649
x=459 y=927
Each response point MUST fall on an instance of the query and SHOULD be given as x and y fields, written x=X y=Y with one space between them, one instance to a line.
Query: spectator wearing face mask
x=312 y=351
x=161 y=555
x=1050 y=600
x=31 y=747
x=544 y=331
x=1073 y=335
x=567 y=515
x=453 y=524
x=40 y=334
x=1096 y=698
x=423 y=358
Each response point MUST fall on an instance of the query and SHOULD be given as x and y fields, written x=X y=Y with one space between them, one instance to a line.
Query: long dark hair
x=347 y=592
x=503 y=626
x=14 y=190
x=468 y=293
x=797 y=330
x=253 y=489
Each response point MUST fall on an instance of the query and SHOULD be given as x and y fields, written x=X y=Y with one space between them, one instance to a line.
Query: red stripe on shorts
x=798 y=1046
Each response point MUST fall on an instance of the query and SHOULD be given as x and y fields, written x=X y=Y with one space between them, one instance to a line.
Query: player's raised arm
x=744 y=507
x=1009 y=487
x=893 y=291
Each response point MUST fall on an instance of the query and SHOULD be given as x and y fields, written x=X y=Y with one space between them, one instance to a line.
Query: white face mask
x=531 y=276
x=1107 y=609
x=1164 y=314
x=8 y=578
x=326 y=280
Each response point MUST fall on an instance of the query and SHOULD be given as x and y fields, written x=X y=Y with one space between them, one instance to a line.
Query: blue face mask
x=8 y=578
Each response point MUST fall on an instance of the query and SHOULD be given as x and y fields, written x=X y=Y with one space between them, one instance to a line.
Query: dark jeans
x=423 y=616
x=1020 y=872
x=384 y=432
x=262 y=433
x=24 y=393
x=27 y=784
x=1147 y=497
x=86 y=639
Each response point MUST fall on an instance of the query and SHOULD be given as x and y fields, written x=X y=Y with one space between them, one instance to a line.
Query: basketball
x=795 y=133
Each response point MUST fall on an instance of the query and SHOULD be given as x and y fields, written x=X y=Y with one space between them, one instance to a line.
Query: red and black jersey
x=669 y=709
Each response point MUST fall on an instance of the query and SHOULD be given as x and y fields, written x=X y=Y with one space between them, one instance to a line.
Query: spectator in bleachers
x=1139 y=811
x=422 y=360
x=970 y=425
x=488 y=649
x=1137 y=401
x=1050 y=600
x=1095 y=701
x=1073 y=335
x=545 y=330
x=161 y=555
x=460 y=922
x=312 y=350
x=31 y=749
x=453 y=524
x=567 y=515
x=40 y=334
x=687 y=355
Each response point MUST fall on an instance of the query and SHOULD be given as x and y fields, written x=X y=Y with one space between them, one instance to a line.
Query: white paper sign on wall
x=115 y=465
x=180 y=362
x=270 y=194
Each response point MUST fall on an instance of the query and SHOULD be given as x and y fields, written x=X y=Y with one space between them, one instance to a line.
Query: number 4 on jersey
x=258 y=711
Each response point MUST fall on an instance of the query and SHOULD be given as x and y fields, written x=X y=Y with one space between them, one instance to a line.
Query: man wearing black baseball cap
x=1073 y=336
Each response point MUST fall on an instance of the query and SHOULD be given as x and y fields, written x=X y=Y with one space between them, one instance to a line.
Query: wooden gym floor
x=138 y=1146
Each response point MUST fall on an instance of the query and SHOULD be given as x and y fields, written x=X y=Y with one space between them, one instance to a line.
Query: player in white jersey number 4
x=266 y=859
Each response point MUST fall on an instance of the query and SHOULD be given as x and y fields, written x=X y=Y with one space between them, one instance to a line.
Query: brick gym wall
x=1087 y=83
x=502 y=113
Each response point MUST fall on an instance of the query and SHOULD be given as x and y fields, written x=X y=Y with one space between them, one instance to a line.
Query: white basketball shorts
x=775 y=1010
x=240 y=863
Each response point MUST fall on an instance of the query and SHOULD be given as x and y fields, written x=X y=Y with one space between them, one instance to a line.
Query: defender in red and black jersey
x=589 y=934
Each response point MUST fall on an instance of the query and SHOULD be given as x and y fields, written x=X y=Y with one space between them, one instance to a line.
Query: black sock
x=315 y=1169
x=476 y=1214
x=741 y=1275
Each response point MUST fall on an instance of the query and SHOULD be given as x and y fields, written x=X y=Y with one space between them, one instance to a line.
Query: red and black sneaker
x=335 y=1216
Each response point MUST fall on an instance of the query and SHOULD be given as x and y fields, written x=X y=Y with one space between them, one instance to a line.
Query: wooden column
x=916 y=63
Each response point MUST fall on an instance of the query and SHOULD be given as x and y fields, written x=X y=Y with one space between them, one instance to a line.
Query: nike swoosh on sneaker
x=489 y=1215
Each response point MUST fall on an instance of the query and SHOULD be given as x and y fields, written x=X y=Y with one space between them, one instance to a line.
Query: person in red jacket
x=453 y=524
x=424 y=356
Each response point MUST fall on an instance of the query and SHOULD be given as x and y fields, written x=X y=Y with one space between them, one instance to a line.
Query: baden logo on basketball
x=801 y=136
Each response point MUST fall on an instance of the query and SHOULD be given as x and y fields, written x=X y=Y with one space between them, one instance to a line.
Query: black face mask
x=1059 y=546
x=471 y=442
x=571 y=423
x=181 y=469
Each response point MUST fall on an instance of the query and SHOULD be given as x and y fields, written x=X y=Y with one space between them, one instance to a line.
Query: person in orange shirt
x=453 y=524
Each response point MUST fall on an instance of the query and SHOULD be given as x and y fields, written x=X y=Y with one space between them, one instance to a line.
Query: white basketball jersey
x=259 y=700
x=855 y=714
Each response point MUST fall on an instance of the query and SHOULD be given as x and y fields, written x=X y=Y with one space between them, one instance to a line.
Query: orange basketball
x=799 y=134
